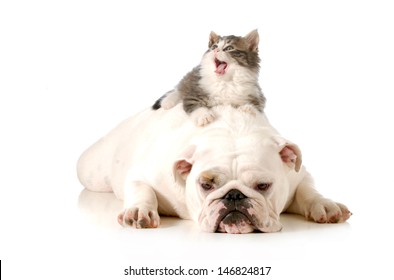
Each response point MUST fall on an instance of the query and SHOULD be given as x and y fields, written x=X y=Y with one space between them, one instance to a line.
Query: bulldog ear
x=184 y=164
x=289 y=153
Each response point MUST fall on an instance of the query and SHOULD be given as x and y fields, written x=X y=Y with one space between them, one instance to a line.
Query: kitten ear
x=213 y=38
x=252 y=38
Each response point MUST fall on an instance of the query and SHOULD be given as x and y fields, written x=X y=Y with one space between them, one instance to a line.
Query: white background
x=71 y=70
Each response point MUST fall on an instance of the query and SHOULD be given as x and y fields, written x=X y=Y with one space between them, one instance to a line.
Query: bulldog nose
x=234 y=195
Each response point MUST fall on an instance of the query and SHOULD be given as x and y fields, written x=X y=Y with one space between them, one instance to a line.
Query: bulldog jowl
x=236 y=211
x=235 y=215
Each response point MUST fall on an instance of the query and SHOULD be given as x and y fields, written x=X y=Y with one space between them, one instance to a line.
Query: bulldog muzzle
x=235 y=215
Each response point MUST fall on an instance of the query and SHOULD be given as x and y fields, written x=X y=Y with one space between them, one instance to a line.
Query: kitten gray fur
x=194 y=96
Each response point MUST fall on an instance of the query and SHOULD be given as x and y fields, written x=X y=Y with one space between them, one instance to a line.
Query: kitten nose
x=234 y=195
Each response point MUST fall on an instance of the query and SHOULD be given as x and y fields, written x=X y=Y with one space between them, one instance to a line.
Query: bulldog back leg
x=311 y=204
x=140 y=206
x=94 y=167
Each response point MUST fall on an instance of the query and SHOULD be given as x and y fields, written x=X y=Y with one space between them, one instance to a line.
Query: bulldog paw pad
x=327 y=211
x=139 y=218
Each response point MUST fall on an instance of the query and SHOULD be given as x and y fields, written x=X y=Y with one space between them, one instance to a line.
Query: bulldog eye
x=263 y=186
x=228 y=48
x=206 y=186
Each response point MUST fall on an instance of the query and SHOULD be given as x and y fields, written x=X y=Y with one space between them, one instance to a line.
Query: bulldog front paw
x=327 y=211
x=202 y=116
x=139 y=218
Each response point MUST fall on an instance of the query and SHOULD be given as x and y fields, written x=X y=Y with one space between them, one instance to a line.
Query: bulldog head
x=238 y=186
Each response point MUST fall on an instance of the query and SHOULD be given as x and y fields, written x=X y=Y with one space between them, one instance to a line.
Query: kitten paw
x=327 y=211
x=170 y=100
x=139 y=218
x=167 y=103
x=248 y=108
x=203 y=116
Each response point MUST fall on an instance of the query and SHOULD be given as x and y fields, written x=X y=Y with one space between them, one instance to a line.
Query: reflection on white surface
x=102 y=208
x=176 y=238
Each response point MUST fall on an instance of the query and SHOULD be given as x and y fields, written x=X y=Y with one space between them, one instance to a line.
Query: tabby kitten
x=227 y=75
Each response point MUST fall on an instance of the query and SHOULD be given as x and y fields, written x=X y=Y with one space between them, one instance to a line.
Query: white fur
x=231 y=88
x=139 y=159
x=171 y=100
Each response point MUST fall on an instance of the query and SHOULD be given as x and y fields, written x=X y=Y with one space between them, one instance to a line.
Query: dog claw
x=139 y=218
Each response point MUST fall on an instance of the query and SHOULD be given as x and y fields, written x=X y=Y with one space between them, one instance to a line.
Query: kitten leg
x=202 y=116
x=249 y=108
x=171 y=99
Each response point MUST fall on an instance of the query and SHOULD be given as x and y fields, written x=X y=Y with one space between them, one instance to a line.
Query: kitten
x=227 y=75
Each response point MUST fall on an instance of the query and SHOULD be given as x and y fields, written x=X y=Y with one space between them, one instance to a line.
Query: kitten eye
x=206 y=186
x=214 y=46
x=263 y=186
x=228 y=48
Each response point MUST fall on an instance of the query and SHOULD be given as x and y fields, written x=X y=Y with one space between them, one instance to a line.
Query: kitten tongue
x=221 y=68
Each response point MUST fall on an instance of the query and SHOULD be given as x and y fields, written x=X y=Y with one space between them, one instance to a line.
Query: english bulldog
x=235 y=175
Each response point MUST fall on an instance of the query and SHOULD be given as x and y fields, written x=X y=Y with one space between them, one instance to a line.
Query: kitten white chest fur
x=234 y=88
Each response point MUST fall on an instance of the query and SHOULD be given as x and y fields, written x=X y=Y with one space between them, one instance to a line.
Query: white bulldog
x=235 y=175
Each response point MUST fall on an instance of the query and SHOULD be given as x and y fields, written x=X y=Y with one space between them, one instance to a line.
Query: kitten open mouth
x=221 y=67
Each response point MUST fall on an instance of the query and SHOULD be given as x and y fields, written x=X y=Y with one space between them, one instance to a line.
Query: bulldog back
x=140 y=145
